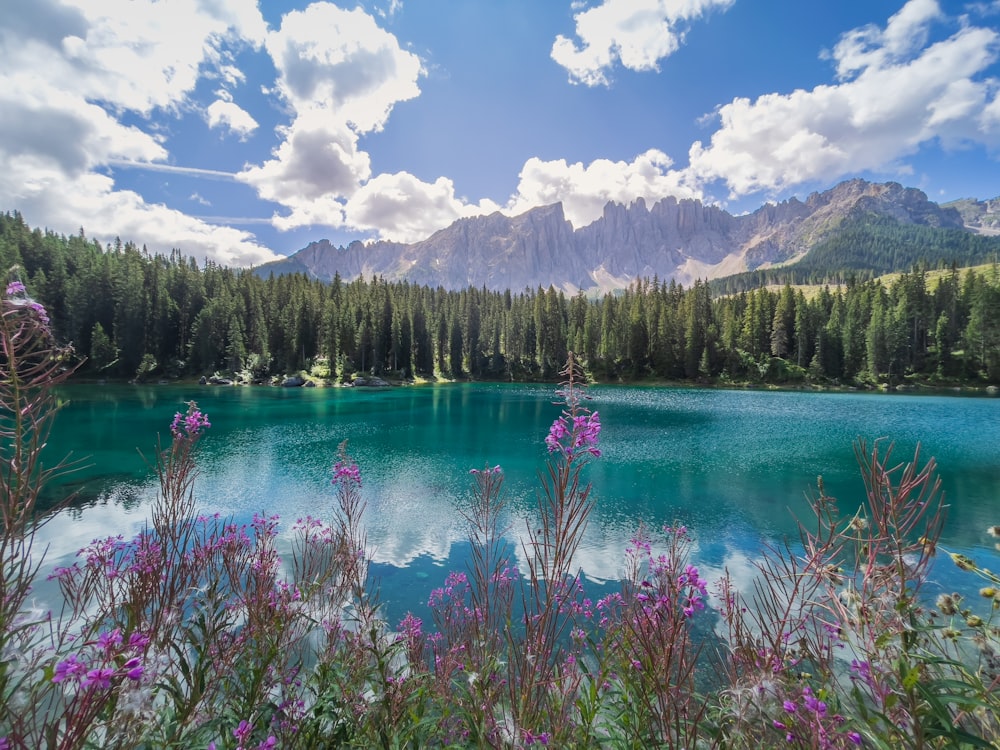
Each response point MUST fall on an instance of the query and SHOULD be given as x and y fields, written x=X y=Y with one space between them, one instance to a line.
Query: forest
x=137 y=315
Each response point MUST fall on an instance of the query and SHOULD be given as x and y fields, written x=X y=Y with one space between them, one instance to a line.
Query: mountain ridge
x=679 y=239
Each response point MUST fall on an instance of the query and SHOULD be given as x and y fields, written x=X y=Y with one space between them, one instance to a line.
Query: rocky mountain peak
x=672 y=239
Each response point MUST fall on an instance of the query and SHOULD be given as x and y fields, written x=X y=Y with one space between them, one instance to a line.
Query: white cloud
x=341 y=75
x=403 y=208
x=141 y=55
x=342 y=62
x=318 y=158
x=223 y=113
x=898 y=99
x=50 y=126
x=635 y=33
x=871 y=47
x=69 y=71
x=90 y=200
x=585 y=189
x=325 y=211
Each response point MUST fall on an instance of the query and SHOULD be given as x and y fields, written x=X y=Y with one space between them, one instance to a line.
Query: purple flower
x=109 y=639
x=138 y=641
x=99 y=677
x=242 y=732
x=556 y=433
x=854 y=737
x=815 y=705
x=71 y=667
x=583 y=434
x=411 y=626
x=4 y=743
x=40 y=311
x=346 y=472
x=790 y=707
x=189 y=424
x=15 y=287
x=133 y=668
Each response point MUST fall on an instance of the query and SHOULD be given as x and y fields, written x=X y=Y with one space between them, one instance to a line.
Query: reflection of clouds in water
x=408 y=514
x=63 y=534
x=600 y=556
x=61 y=537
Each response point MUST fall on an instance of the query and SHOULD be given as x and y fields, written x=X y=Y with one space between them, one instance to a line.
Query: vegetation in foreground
x=195 y=634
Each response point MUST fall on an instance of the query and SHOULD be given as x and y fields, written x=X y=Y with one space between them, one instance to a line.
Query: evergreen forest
x=138 y=315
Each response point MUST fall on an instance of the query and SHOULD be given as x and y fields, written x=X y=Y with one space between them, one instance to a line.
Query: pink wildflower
x=346 y=472
x=100 y=678
x=71 y=667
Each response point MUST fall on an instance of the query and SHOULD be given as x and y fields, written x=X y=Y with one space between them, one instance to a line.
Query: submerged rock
x=370 y=382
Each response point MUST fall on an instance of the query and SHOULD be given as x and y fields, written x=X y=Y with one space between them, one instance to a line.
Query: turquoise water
x=734 y=466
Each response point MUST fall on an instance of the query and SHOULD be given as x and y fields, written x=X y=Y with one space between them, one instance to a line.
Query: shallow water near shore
x=734 y=466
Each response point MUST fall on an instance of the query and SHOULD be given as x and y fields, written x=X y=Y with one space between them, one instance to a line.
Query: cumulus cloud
x=341 y=75
x=69 y=71
x=896 y=94
x=342 y=62
x=403 y=208
x=40 y=124
x=317 y=158
x=90 y=200
x=872 y=47
x=585 y=189
x=141 y=55
x=634 y=33
x=224 y=113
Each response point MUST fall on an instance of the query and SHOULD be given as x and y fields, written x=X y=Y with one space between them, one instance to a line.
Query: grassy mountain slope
x=870 y=245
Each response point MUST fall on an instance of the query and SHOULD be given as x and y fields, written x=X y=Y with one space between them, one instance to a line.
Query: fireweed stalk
x=32 y=364
x=649 y=656
x=541 y=695
x=512 y=680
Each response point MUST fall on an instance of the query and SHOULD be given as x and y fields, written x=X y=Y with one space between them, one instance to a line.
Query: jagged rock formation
x=979 y=216
x=679 y=239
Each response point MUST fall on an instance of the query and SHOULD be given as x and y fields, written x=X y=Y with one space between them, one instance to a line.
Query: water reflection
x=736 y=467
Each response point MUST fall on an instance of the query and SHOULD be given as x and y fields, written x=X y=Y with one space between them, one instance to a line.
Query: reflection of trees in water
x=74 y=497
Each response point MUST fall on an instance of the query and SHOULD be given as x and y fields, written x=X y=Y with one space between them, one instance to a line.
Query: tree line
x=134 y=314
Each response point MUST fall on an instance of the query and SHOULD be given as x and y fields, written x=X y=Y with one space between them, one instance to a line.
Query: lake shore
x=311 y=381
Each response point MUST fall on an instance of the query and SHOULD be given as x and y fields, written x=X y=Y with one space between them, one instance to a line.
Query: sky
x=238 y=131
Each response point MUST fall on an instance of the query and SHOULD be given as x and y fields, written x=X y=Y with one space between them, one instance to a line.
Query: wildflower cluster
x=17 y=296
x=100 y=662
x=572 y=434
x=189 y=425
x=346 y=472
x=806 y=720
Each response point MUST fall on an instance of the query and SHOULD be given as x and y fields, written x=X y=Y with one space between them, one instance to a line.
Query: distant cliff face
x=979 y=216
x=682 y=240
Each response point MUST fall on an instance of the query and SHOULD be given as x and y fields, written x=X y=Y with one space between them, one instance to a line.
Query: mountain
x=679 y=239
x=981 y=216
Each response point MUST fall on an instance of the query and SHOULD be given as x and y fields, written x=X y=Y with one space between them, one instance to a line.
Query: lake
x=734 y=466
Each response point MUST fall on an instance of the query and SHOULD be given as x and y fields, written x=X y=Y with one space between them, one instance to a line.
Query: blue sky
x=238 y=131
